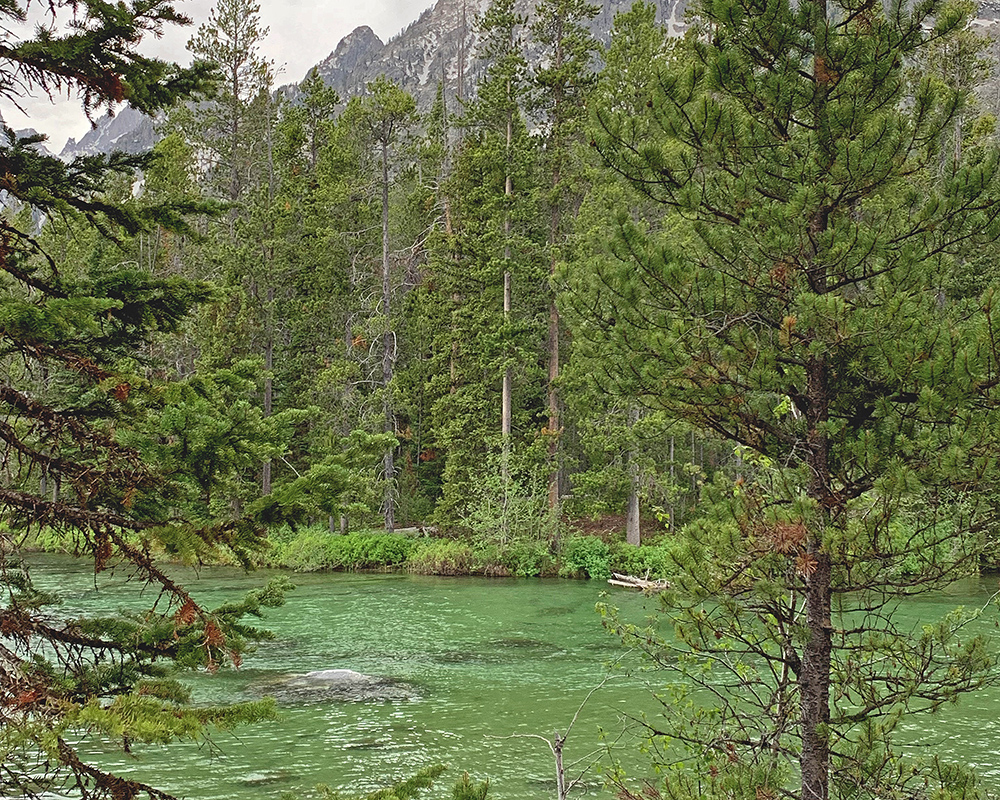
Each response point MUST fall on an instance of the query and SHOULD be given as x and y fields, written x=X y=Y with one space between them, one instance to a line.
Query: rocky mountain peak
x=353 y=52
x=128 y=130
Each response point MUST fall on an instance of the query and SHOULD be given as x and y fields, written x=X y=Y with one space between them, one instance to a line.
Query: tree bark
x=265 y=477
x=506 y=400
x=814 y=678
x=388 y=346
x=555 y=225
x=632 y=534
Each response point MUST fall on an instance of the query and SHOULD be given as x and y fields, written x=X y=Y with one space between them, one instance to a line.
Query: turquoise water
x=490 y=662
x=487 y=659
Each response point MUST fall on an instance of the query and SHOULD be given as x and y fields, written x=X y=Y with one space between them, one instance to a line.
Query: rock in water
x=336 y=684
x=336 y=676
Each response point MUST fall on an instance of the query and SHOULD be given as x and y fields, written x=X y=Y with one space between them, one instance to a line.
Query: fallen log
x=634 y=582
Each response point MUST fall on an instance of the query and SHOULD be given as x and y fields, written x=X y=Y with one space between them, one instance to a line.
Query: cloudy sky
x=302 y=33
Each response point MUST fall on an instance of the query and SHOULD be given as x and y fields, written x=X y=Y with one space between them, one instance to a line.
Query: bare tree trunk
x=557 y=750
x=388 y=346
x=506 y=402
x=265 y=478
x=632 y=535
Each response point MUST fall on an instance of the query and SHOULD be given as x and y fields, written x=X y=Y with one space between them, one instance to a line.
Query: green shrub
x=317 y=549
x=647 y=559
x=442 y=557
x=527 y=559
x=585 y=557
x=371 y=550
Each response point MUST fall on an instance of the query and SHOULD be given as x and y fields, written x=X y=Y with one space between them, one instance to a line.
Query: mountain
x=127 y=130
x=439 y=46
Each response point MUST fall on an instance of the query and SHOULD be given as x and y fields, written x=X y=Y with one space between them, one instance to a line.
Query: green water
x=489 y=661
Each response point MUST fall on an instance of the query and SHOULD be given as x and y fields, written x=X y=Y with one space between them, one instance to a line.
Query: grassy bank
x=315 y=549
x=571 y=556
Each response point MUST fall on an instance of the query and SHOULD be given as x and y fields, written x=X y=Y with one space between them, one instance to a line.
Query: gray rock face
x=336 y=685
x=128 y=130
x=439 y=47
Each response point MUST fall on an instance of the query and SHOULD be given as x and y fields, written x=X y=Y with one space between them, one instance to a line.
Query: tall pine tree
x=802 y=303
x=79 y=431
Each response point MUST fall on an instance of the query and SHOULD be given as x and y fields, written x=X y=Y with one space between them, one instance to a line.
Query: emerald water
x=488 y=661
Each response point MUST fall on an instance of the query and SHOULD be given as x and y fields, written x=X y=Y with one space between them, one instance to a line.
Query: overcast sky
x=302 y=33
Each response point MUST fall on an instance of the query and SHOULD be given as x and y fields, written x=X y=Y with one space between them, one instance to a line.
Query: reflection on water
x=484 y=661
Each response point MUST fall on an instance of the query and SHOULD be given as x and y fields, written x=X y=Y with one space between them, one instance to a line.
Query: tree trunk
x=558 y=742
x=265 y=477
x=388 y=346
x=555 y=226
x=673 y=476
x=265 y=481
x=553 y=399
x=506 y=401
x=632 y=535
x=814 y=678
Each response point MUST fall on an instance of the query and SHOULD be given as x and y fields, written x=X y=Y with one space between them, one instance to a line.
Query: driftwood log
x=633 y=582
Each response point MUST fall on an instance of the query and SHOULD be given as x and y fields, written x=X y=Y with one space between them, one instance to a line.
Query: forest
x=716 y=310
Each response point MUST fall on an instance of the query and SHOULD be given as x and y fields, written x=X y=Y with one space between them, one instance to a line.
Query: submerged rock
x=265 y=778
x=336 y=684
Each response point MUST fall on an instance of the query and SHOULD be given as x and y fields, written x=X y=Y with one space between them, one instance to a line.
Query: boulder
x=336 y=684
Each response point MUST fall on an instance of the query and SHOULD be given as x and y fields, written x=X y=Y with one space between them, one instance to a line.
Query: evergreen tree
x=383 y=116
x=621 y=446
x=562 y=78
x=801 y=303
x=79 y=418
x=226 y=129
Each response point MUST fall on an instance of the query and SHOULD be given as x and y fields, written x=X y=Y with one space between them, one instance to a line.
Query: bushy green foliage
x=585 y=557
x=647 y=560
x=467 y=789
x=412 y=787
x=315 y=548
x=444 y=557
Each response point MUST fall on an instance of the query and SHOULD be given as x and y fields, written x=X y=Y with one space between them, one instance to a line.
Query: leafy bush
x=317 y=549
x=585 y=557
x=442 y=557
x=527 y=559
x=653 y=560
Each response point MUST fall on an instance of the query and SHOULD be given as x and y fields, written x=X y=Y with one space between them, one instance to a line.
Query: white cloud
x=302 y=33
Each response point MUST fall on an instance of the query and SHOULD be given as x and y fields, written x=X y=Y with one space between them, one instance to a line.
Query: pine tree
x=383 y=117
x=616 y=448
x=801 y=302
x=562 y=78
x=226 y=128
x=79 y=426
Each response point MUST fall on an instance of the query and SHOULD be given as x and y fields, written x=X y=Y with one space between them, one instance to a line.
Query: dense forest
x=718 y=310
